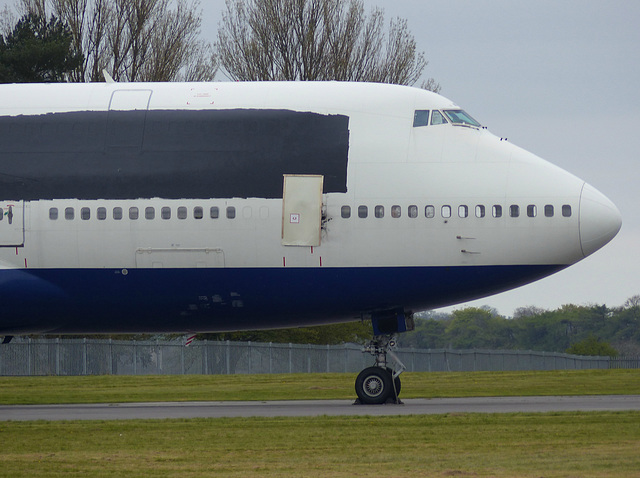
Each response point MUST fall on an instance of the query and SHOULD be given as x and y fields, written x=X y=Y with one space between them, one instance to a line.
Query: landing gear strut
x=381 y=383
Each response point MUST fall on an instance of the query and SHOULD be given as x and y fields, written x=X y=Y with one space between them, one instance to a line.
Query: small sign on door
x=294 y=218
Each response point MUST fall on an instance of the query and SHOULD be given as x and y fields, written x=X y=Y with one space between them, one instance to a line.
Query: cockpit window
x=460 y=117
x=420 y=118
x=437 y=118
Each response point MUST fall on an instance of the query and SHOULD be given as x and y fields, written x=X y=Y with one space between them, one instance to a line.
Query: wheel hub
x=373 y=386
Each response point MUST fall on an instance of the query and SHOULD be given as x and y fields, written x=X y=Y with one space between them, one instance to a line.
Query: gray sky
x=558 y=78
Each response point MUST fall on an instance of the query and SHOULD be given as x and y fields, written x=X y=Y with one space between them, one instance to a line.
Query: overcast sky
x=558 y=78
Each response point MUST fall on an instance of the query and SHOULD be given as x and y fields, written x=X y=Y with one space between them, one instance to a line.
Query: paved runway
x=299 y=408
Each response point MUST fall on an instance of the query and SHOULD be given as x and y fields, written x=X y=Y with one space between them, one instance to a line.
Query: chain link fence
x=25 y=357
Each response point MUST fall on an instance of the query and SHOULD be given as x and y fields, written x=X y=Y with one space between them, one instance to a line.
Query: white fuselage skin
x=426 y=170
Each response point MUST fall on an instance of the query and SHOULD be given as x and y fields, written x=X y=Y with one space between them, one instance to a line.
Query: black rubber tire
x=374 y=386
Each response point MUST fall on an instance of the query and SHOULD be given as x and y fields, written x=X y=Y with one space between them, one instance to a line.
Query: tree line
x=161 y=40
x=580 y=329
x=577 y=329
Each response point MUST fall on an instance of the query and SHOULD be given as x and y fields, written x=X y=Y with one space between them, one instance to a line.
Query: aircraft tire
x=374 y=386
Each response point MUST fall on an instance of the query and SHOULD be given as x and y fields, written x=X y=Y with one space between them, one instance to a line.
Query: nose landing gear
x=381 y=383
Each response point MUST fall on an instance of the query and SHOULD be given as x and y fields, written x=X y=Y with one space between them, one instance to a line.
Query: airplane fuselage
x=159 y=207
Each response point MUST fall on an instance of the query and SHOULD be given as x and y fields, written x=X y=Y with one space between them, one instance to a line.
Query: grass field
x=460 y=445
x=107 y=389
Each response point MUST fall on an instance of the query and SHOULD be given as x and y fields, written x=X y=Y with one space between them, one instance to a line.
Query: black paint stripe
x=172 y=154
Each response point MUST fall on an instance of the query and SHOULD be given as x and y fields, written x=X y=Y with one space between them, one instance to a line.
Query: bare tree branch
x=315 y=40
x=134 y=40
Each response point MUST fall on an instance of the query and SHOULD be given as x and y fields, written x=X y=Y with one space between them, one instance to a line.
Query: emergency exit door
x=12 y=223
x=302 y=210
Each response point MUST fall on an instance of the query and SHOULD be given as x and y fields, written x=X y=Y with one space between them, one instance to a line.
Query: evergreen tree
x=37 y=51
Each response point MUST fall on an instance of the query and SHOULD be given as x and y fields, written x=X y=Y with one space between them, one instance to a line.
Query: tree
x=134 y=40
x=527 y=311
x=350 y=332
x=475 y=327
x=38 y=51
x=428 y=334
x=268 y=40
x=592 y=346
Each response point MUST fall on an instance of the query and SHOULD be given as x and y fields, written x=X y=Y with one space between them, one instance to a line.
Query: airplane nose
x=600 y=220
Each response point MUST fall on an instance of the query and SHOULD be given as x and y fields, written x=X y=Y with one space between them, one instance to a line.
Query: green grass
x=497 y=445
x=467 y=445
x=109 y=389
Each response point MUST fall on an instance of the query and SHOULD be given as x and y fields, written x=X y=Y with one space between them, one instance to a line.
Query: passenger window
x=463 y=211
x=437 y=118
x=69 y=214
x=150 y=213
x=214 y=212
x=514 y=210
x=446 y=211
x=429 y=212
x=396 y=211
x=53 y=214
x=231 y=212
x=413 y=211
x=117 y=213
x=532 y=210
x=566 y=210
x=345 y=212
x=198 y=212
x=548 y=210
x=133 y=213
x=496 y=210
x=102 y=213
x=480 y=210
x=85 y=213
x=379 y=211
x=182 y=212
x=165 y=213
x=363 y=212
x=420 y=118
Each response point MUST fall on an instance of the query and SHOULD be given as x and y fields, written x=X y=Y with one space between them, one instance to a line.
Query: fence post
x=29 y=356
x=346 y=358
x=158 y=357
x=84 y=356
x=227 y=358
x=57 y=356
x=328 y=362
x=206 y=358
x=182 y=347
x=110 y=356
x=290 y=357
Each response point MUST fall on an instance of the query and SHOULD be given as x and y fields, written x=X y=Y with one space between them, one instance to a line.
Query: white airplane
x=207 y=207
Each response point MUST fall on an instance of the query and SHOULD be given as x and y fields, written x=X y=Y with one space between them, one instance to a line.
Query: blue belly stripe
x=221 y=299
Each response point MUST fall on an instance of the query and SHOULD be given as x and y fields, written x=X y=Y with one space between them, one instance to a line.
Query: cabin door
x=12 y=223
x=302 y=210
